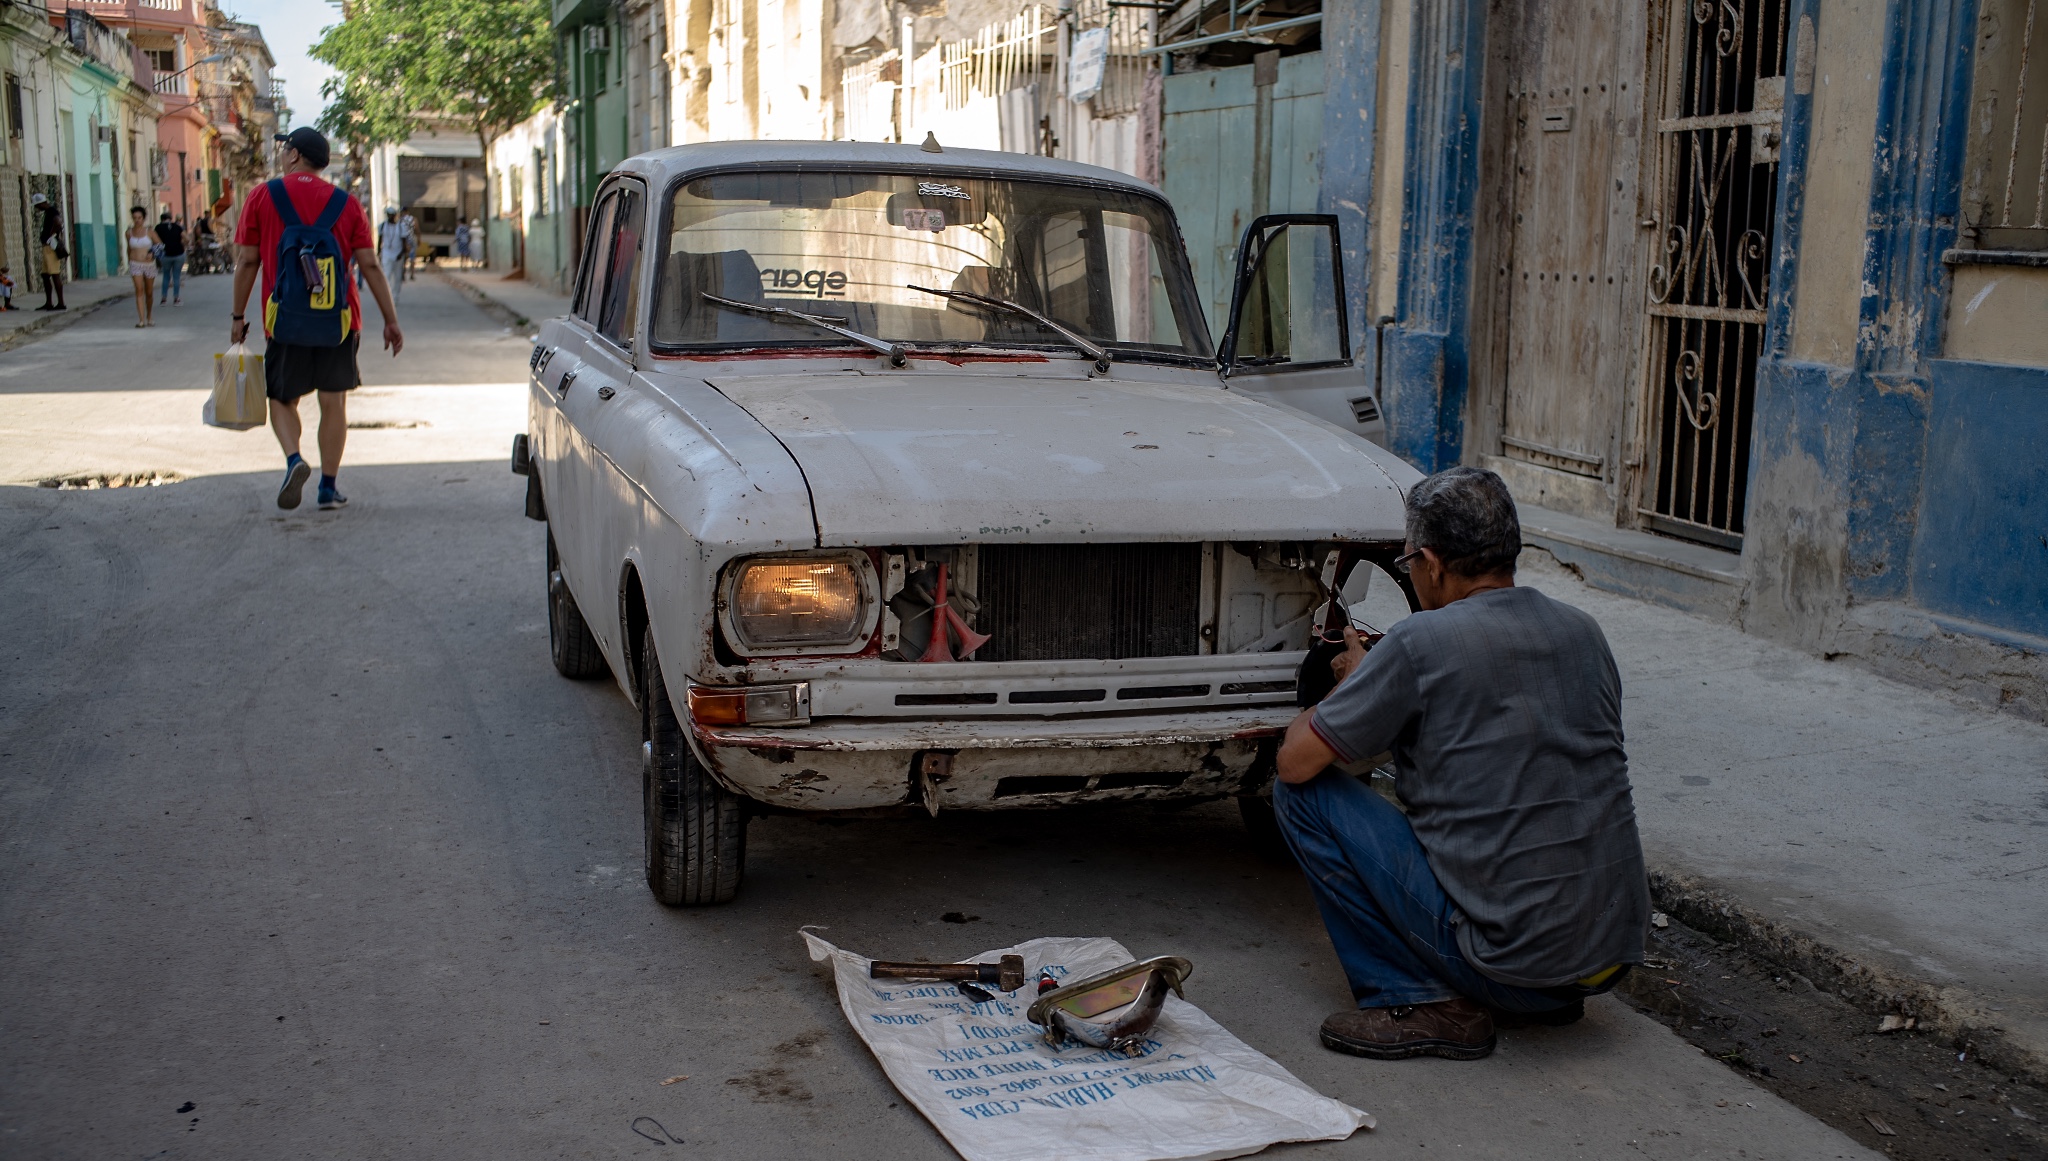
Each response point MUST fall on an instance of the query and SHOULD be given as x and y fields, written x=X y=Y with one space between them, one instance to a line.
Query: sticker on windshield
x=922 y=219
x=804 y=283
x=933 y=189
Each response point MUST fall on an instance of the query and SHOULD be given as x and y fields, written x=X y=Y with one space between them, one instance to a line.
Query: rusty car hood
x=935 y=456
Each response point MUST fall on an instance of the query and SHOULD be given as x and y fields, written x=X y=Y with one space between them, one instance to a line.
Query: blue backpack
x=308 y=304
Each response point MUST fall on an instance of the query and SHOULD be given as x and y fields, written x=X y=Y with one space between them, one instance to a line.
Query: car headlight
x=790 y=604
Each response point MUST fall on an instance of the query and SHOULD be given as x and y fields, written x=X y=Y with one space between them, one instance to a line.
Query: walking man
x=391 y=249
x=1515 y=882
x=172 y=262
x=325 y=230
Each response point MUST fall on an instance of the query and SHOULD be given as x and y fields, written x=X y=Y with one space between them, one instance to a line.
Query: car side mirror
x=1287 y=304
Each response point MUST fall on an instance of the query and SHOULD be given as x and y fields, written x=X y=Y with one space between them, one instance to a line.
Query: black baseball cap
x=310 y=144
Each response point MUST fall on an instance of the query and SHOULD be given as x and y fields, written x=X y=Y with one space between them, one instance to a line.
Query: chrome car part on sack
x=1130 y=997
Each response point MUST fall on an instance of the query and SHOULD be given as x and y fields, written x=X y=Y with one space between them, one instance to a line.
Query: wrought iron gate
x=1717 y=181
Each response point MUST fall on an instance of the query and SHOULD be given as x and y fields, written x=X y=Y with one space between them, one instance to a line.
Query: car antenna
x=931 y=142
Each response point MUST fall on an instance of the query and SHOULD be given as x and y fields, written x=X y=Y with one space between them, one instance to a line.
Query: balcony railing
x=133 y=7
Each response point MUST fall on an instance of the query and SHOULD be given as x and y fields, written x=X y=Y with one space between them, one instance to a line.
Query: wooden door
x=1575 y=102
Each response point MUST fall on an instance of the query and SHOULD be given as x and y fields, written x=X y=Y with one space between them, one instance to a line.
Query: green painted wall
x=1210 y=154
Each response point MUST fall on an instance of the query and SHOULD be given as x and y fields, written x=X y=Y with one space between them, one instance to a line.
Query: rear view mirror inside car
x=934 y=212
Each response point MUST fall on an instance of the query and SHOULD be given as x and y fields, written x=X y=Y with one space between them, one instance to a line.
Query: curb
x=52 y=324
x=486 y=303
x=1952 y=1014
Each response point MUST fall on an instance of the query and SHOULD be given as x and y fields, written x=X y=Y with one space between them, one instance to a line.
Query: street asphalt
x=305 y=849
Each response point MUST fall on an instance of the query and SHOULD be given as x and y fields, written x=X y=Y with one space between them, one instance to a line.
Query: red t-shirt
x=262 y=228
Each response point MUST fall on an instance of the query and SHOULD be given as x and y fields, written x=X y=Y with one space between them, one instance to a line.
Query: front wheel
x=696 y=829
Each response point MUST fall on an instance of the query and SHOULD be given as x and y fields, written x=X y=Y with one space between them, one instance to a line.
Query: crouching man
x=1515 y=883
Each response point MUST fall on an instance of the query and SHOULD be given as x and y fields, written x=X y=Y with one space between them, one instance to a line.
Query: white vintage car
x=884 y=478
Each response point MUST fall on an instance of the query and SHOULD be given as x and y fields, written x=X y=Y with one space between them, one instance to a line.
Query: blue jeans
x=1387 y=915
x=174 y=276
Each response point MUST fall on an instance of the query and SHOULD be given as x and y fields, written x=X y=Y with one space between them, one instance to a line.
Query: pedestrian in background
x=50 y=229
x=142 y=259
x=391 y=249
x=171 y=236
x=7 y=290
x=292 y=369
x=462 y=243
x=412 y=241
x=204 y=259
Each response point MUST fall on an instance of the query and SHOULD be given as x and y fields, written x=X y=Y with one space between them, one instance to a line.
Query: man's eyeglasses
x=1401 y=562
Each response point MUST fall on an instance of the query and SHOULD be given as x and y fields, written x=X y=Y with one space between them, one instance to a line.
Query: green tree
x=486 y=63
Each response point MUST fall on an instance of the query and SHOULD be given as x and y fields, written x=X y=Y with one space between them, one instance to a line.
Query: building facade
x=1744 y=300
x=212 y=77
x=436 y=175
x=80 y=127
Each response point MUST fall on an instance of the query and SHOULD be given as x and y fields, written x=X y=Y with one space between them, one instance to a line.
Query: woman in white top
x=142 y=266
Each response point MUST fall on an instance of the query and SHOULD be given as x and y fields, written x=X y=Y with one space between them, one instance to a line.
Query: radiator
x=1052 y=602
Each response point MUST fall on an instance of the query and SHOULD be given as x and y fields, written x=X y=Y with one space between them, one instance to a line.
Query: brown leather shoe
x=1454 y=1029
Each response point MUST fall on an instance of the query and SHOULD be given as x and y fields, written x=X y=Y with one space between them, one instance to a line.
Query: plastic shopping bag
x=986 y=1079
x=238 y=400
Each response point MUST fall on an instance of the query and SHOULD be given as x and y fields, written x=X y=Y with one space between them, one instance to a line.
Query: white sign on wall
x=1087 y=63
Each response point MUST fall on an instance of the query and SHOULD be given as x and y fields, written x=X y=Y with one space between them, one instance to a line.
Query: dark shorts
x=290 y=370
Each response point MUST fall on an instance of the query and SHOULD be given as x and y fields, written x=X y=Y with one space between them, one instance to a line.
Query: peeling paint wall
x=1999 y=314
x=1835 y=226
x=1982 y=548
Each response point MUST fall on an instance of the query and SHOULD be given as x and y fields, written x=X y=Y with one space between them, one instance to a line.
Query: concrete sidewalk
x=1889 y=842
x=25 y=323
x=524 y=299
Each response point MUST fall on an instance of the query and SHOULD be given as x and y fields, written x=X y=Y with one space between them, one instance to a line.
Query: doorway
x=1570 y=164
x=1716 y=180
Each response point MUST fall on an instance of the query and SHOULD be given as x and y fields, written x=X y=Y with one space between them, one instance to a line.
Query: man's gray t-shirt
x=1503 y=712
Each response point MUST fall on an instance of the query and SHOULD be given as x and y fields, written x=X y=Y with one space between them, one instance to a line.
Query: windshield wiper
x=1088 y=347
x=894 y=351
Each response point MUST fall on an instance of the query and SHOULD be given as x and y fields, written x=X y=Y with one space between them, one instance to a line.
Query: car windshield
x=853 y=248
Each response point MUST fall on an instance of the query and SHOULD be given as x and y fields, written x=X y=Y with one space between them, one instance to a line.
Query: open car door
x=1289 y=337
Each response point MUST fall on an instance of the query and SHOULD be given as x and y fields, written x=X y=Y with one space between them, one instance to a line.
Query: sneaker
x=295 y=478
x=1454 y=1029
x=331 y=498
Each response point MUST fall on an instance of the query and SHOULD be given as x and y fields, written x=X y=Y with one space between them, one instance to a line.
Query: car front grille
x=1056 y=602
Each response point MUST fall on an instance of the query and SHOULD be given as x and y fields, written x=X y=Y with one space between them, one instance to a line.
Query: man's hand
x=238 y=330
x=394 y=339
x=1354 y=652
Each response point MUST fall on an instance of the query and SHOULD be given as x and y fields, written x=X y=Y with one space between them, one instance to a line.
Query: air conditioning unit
x=104 y=134
x=597 y=38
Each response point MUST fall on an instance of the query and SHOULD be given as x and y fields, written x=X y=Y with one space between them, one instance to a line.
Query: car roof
x=661 y=164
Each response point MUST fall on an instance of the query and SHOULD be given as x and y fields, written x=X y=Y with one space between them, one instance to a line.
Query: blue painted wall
x=1982 y=547
x=1351 y=86
x=1428 y=348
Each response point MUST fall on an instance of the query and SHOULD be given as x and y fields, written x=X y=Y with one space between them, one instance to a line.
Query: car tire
x=1262 y=827
x=696 y=829
x=570 y=641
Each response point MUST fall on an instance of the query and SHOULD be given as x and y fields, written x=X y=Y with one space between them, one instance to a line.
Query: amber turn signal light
x=757 y=705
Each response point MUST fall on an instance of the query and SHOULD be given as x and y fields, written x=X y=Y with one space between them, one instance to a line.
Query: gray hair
x=1467 y=516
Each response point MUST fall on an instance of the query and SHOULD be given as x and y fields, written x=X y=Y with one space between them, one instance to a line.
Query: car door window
x=590 y=282
x=1286 y=309
x=621 y=303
